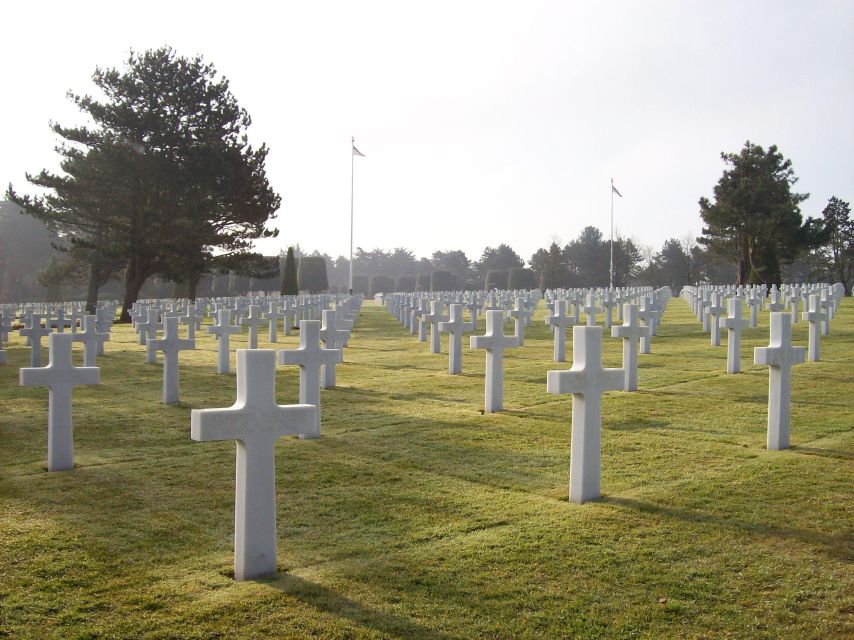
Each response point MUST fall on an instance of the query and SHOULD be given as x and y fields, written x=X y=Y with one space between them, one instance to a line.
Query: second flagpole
x=611 y=270
x=352 y=157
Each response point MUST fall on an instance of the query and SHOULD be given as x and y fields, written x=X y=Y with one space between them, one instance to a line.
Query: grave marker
x=586 y=381
x=59 y=376
x=495 y=342
x=171 y=345
x=780 y=356
x=310 y=357
x=631 y=332
x=93 y=341
x=256 y=422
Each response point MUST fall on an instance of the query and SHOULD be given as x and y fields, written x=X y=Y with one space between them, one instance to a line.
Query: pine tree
x=289 y=276
x=181 y=181
x=840 y=247
x=755 y=221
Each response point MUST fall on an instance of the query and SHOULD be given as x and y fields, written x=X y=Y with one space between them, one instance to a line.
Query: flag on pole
x=356 y=152
x=613 y=188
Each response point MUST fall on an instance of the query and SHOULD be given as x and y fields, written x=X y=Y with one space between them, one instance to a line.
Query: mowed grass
x=415 y=516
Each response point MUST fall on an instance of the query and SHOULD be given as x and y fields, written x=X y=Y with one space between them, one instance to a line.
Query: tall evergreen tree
x=183 y=182
x=840 y=241
x=755 y=221
x=552 y=269
x=289 y=276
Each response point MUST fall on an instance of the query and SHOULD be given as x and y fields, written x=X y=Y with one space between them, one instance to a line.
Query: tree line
x=161 y=185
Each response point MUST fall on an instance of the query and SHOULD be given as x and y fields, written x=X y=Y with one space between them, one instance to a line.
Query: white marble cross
x=754 y=303
x=795 y=301
x=333 y=338
x=495 y=342
x=591 y=309
x=92 y=340
x=775 y=304
x=827 y=307
x=521 y=319
x=434 y=318
x=310 y=357
x=631 y=332
x=256 y=422
x=254 y=321
x=35 y=332
x=779 y=355
x=715 y=310
x=61 y=322
x=559 y=321
x=289 y=316
x=608 y=304
x=586 y=381
x=733 y=323
x=273 y=317
x=814 y=315
x=149 y=327
x=59 y=376
x=171 y=345
x=5 y=328
x=105 y=322
x=192 y=320
x=454 y=326
x=646 y=314
x=223 y=331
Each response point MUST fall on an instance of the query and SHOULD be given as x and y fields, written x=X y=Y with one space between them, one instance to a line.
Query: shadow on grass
x=333 y=603
x=638 y=424
x=840 y=547
x=824 y=453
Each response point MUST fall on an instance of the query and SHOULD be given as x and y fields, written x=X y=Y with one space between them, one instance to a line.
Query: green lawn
x=415 y=516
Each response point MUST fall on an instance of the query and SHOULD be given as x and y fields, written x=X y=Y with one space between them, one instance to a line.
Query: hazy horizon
x=481 y=123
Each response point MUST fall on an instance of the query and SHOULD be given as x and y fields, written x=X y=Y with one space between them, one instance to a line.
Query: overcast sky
x=482 y=122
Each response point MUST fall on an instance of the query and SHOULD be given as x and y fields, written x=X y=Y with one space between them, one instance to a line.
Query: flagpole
x=611 y=279
x=352 y=156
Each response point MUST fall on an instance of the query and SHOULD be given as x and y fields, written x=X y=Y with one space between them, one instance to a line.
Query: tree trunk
x=92 y=289
x=192 y=285
x=134 y=280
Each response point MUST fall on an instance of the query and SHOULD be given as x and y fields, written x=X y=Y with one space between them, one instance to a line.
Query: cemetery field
x=415 y=516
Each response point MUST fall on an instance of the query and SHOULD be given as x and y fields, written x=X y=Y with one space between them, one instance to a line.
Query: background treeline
x=28 y=263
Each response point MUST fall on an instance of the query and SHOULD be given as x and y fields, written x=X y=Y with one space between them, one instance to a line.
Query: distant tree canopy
x=380 y=283
x=498 y=258
x=456 y=262
x=839 y=254
x=442 y=280
x=311 y=274
x=26 y=248
x=521 y=278
x=671 y=267
x=551 y=266
x=405 y=283
x=755 y=220
x=164 y=179
x=496 y=279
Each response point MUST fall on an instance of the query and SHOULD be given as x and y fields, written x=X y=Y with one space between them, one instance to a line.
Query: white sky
x=482 y=122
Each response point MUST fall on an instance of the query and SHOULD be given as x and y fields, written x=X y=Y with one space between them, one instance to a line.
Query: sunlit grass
x=417 y=516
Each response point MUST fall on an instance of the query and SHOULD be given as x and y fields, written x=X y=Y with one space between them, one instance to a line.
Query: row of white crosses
x=256 y=421
x=587 y=380
x=819 y=304
x=780 y=355
x=635 y=336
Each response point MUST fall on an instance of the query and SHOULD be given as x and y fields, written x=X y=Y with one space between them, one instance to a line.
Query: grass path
x=415 y=516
